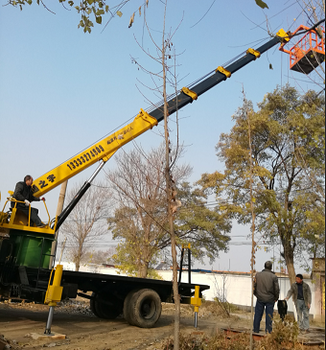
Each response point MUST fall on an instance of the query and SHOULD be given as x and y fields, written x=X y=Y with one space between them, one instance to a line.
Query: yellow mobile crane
x=105 y=149
x=25 y=251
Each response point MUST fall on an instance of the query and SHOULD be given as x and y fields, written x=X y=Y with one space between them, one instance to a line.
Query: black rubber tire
x=108 y=311
x=92 y=305
x=144 y=308
x=127 y=311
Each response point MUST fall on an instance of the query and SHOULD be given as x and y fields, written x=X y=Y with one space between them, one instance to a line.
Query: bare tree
x=162 y=56
x=220 y=286
x=100 y=257
x=139 y=189
x=86 y=224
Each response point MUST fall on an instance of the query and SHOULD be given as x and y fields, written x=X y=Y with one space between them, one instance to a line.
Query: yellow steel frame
x=254 y=52
x=190 y=93
x=20 y=225
x=223 y=71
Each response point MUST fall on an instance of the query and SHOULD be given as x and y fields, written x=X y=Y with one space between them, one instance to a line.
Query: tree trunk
x=170 y=215
x=175 y=286
x=288 y=256
x=173 y=240
x=288 y=253
x=143 y=271
x=78 y=257
x=253 y=228
x=77 y=265
x=169 y=190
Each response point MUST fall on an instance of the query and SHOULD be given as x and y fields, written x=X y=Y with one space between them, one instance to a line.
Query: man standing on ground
x=267 y=291
x=302 y=300
x=23 y=193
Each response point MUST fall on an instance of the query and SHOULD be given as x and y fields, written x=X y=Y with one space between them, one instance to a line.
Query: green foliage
x=98 y=257
x=97 y=9
x=142 y=216
x=203 y=227
x=288 y=142
x=261 y=4
x=141 y=238
x=135 y=257
x=88 y=10
x=145 y=234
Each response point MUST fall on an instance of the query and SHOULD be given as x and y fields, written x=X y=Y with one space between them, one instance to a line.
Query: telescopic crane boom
x=103 y=150
x=26 y=252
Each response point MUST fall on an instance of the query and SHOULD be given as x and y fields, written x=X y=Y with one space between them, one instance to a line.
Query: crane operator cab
x=22 y=243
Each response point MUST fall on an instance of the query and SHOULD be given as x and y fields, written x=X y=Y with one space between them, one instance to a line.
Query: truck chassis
x=138 y=299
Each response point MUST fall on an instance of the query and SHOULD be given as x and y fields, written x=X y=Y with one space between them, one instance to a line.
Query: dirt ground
x=20 y=323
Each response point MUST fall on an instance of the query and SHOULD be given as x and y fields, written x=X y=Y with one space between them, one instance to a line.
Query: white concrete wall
x=235 y=289
x=93 y=268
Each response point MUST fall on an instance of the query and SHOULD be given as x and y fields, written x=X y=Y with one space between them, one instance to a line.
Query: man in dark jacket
x=23 y=193
x=301 y=293
x=267 y=291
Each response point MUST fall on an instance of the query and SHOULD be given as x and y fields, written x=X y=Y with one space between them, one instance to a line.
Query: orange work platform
x=308 y=52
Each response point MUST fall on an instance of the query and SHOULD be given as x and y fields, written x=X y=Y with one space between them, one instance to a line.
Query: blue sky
x=61 y=90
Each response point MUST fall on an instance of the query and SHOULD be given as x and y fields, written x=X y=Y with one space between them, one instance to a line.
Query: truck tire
x=143 y=308
x=109 y=310
x=92 y=305
x=127 y=308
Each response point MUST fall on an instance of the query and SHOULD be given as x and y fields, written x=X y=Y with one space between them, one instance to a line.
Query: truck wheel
x=143 y=308
x=108 y=310
x=92 y=305
x=126 y=307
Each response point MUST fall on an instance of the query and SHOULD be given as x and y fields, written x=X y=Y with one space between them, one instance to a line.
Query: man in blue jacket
x=267 y=292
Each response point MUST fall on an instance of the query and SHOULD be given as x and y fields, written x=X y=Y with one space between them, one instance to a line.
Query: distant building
x=162 y=266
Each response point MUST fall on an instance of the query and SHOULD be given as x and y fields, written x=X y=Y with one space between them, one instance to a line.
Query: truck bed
x=122 y=285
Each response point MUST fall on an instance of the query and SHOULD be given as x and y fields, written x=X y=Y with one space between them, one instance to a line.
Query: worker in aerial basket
x=23 y=193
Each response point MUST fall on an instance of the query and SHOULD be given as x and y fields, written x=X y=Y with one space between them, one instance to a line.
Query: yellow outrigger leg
x=53 y=295
x=196 y=302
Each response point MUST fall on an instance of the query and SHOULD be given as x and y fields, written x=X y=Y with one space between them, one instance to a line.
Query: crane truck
x=25 y=250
